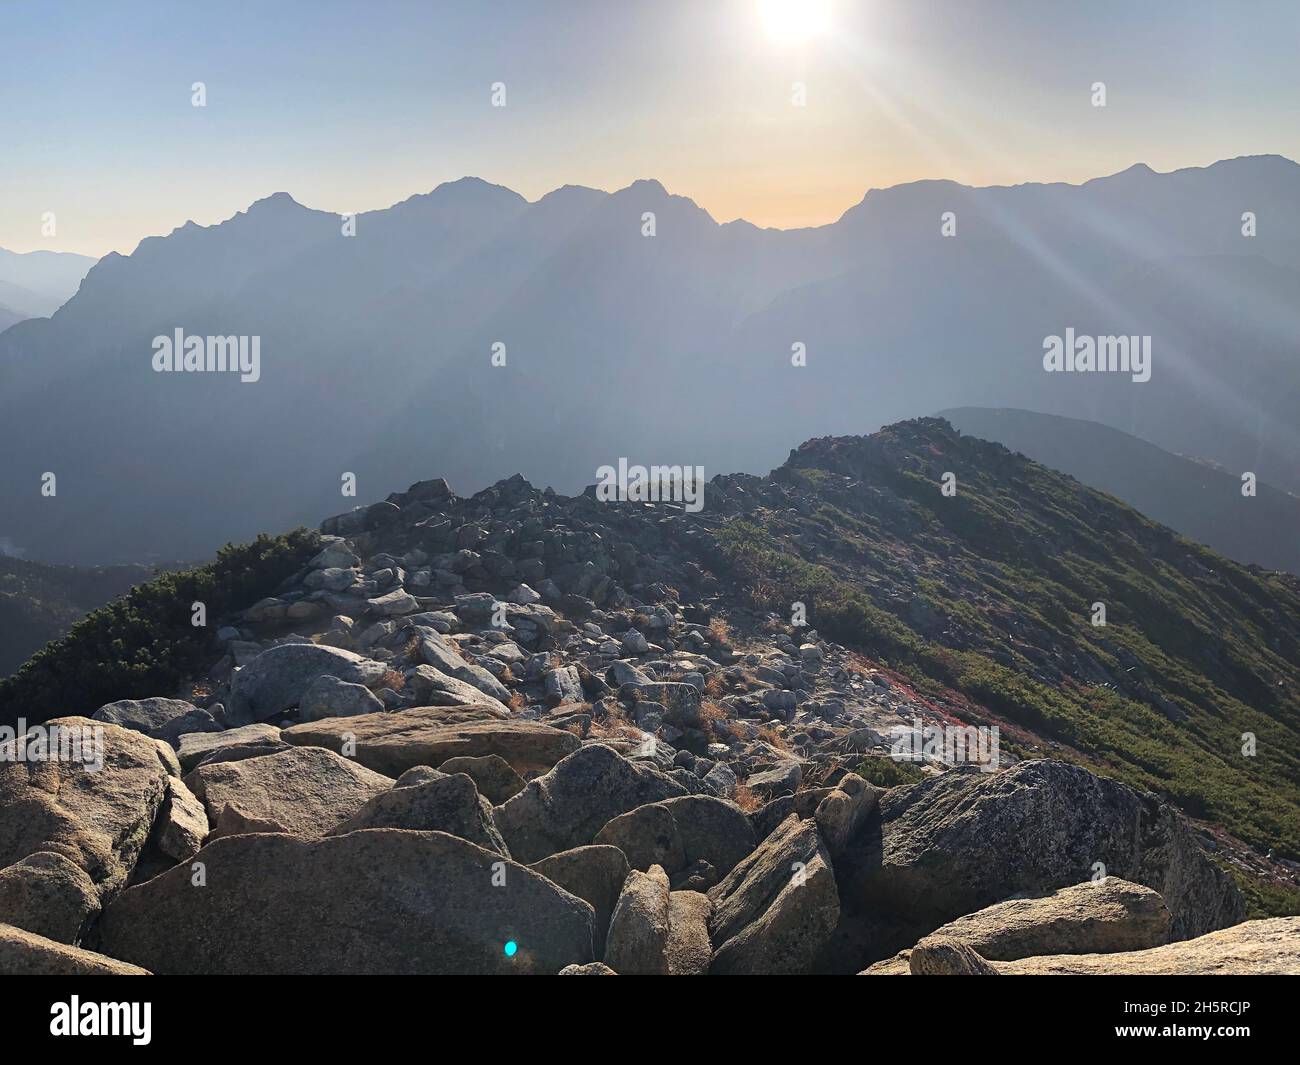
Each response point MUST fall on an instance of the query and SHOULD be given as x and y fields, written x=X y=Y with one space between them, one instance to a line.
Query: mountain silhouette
x=377 y=349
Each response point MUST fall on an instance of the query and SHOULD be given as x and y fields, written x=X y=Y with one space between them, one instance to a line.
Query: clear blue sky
x=353 y=106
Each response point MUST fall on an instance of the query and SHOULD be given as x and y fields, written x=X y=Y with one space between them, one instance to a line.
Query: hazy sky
x=351 y=106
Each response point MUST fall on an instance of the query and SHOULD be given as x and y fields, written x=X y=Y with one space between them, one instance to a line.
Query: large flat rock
x=1254 y=948
x=27 y=954
x=430 y=735
x=305 y=791
x=1103 y=917
x=373 y=901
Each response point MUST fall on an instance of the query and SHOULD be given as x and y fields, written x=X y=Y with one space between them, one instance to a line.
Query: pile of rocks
x=521 y=733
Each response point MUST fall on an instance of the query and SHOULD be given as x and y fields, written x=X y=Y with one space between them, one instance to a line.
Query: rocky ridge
x=527 y=733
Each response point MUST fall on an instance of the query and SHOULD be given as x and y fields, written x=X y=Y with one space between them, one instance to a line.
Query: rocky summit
x=836 y=720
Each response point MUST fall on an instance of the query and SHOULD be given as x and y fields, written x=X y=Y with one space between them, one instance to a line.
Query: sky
x=353 y=106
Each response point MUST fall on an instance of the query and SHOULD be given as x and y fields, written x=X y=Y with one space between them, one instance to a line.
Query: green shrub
x=888 y=773
x=144 y=643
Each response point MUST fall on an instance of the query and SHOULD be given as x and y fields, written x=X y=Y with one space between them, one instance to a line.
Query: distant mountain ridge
x=36 y=284
x=377 y=349
x=1199 y=500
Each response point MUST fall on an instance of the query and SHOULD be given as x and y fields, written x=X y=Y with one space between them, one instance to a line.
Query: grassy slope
x=988 y=593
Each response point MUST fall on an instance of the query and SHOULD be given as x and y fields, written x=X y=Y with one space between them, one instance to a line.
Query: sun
x=794 y=21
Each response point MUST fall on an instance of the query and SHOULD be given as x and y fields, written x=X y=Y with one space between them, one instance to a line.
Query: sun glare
x=794 y=21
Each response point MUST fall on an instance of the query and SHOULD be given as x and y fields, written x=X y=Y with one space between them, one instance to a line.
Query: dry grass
x=715 y=685
x=392 y=679
x=615 y=716
x=775 y=625
x=711 y=715
x=746 y=799
x=769 y=735
x=719 y=631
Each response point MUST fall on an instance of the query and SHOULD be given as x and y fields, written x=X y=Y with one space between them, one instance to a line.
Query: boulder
x=393 y=604
x=46 y=893
x=593 y=968
x=433 y=687
x=594 y=874
x=841 y=815
x=491 y=773
x=648 y=836
x=439 y=653
x=679 y=832
x=328 y=696
x=689 y=950
x=637 y=944
x=98 y=818
x=305 y=791
x=372 y=901
x=335 y=555
x=939 y=956
x=768 y=817
x=192 y=748
x=1269 y=947
x=392 y=743
x=182 y=824
x=621 y=673
x=899 y=965
x=24 y=953
x=963 y=840
x=331 y=578
x=164 y=719
x=775 y=910
x=1104 y=917
x=448 y=804
x=781 y=779
x=563 y=685
x=569 y=805
x=1255 y=948
x=276 y=679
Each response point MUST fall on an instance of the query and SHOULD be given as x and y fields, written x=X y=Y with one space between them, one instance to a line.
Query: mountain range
x=377 y=349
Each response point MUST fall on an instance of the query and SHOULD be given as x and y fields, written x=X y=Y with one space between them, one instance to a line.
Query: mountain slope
x=990 y=593
x=1198 y=500
x=376 y=349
